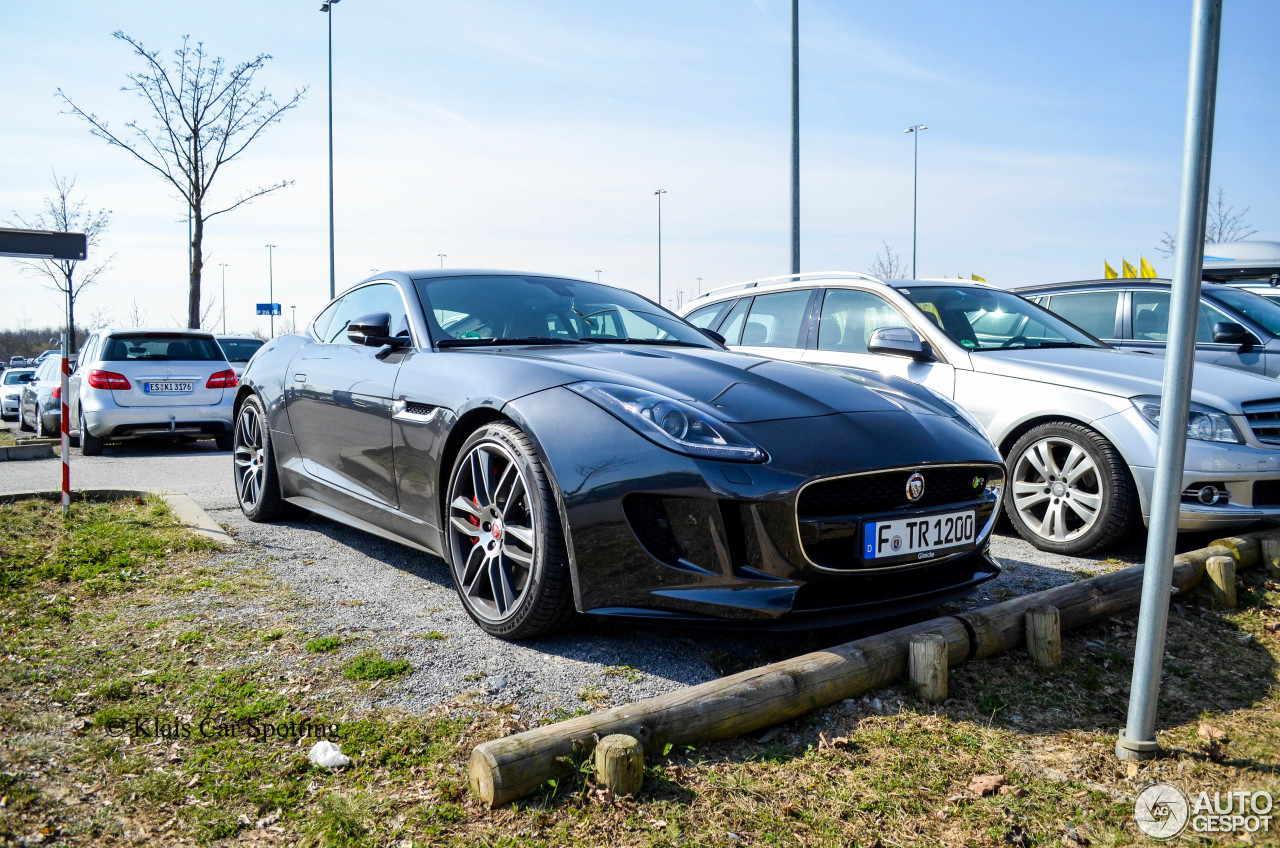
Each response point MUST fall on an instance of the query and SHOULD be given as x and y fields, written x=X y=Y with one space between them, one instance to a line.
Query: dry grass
x=172 y=635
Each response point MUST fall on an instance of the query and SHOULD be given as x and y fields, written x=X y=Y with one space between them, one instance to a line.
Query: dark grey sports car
x=569 y=447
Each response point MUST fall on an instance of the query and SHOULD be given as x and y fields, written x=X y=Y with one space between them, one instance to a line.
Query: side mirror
x=1229 y=332
x=900 y=341
x=374 y=330
x=714 y=336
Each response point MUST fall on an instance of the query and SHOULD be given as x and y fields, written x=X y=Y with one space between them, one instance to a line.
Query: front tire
x=22 y=421
x=257 y=480
x=1069 y=491
x=505 y=543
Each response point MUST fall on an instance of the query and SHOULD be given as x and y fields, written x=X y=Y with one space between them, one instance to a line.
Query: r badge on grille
x=915 y=486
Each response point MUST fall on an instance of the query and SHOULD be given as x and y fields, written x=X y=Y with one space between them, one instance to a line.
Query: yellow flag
x=976 y=277
x=1109 y=273
x=1129 y=271
x=1147 y=271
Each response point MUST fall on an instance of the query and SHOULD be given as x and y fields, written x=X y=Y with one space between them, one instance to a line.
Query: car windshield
x=479 y=310
x=17 y=378
x=1257 y=309
x=240 y=350
x=989 y=319
x=161 y=347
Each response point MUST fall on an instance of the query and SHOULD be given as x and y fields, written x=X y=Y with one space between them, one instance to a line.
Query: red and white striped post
x=66 y=424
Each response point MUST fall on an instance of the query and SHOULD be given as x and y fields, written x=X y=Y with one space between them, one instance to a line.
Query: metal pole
x=271 y=288
x=293 y=319
x=1137 y=740
x=597 y=275
x=659 y=193
x=224 y=297
x=66 y=424
x=699 y=285
x=915 y=195
x=795 y=136
x=442 y=256
x=328 y=9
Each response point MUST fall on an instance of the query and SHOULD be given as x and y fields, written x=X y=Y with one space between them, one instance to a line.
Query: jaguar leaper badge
x=915 y=486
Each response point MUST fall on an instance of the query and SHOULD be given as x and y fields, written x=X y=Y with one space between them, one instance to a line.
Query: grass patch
x=323 y=644
x=435 y=636
x=371 y=665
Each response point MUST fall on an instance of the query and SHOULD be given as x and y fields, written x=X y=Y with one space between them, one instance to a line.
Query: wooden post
x=1271 y=554
x=1044 y=637
x=620 y=764
x=1222 y=580
x=927 y=666
x=502 y=770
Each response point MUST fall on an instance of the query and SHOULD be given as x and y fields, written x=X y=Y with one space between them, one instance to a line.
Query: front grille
x=649 y=521
x=1266 y=493
x=1264 y=419
x=884 y=491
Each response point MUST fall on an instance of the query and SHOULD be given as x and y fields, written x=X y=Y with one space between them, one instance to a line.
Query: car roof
x=168 y=331
x=1152 y=283
x=232 y=337
x=810 y=279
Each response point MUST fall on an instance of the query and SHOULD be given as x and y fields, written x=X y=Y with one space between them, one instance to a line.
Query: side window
x=324 y=319
x=707 y=316
x=849 y=318
x=1151 y=318
x=776 y=320
x=1093 y=312
x=86 y=352
x=732 y=329
x=379 y=297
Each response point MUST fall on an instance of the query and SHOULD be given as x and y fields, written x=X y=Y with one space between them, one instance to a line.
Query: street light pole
x=327 y=8
x=224 y=297
x=795 y=136
x=293 y=319
x=597 y=275
x=915 y=185
x=442 y=256
x=659 y=194
x=271 y=288
x=699 y=285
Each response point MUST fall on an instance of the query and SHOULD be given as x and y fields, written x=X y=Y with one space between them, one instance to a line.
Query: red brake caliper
x=474 y=520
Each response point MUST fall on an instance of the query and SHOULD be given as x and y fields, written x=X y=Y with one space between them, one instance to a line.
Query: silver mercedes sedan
x=1074 y=419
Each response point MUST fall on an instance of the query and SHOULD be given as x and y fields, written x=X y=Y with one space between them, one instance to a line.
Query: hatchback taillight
x=223 y=380
x=108 y=380
x=57 y=392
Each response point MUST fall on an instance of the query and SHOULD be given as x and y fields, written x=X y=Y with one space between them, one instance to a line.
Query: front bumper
x=9 y=406
x=1247 y=479
x=658 y=535
x=138 y=422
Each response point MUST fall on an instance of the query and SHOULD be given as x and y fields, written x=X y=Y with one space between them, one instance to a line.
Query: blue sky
x=532 y=135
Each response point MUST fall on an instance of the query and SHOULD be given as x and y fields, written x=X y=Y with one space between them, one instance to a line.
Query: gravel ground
x=380 y=594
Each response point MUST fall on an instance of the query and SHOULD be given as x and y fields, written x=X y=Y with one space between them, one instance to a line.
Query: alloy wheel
x=250 y=457
x=491 y=531
x=1056 y=489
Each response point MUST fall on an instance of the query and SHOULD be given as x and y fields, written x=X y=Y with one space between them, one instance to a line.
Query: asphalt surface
x=375 y=593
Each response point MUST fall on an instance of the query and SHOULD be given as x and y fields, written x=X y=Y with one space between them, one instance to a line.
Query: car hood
x=1123 y=374
x=735 y=387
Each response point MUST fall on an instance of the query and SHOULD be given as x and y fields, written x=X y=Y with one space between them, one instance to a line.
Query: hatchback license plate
x=920 y=535
x=169 y=387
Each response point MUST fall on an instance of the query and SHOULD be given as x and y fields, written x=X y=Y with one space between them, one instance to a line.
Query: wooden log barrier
x=503 y=770
x=1271 y=554
x=1044 y=637
x=1221 y=571
x=927 y=666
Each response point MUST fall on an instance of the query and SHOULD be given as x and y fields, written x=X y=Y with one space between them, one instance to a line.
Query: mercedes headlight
x=1204 y=423
x=671 y=423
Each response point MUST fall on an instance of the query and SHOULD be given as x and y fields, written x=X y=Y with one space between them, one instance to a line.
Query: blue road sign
x=268 y=309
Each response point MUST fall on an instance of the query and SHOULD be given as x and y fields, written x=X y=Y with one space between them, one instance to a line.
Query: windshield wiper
x=525 y=340
x=644 y=342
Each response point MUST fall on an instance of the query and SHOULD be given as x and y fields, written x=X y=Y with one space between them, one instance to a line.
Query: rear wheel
x=22 y=420
x=1069 y=491
x=254 y=464
x=41 y=431
x=90 y=445
x=506 y=545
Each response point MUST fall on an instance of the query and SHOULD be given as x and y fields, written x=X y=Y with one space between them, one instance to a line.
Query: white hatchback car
x=133 y=384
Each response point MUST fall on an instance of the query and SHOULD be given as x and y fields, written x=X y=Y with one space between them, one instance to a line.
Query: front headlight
x=670 y=423
x=1204 y=423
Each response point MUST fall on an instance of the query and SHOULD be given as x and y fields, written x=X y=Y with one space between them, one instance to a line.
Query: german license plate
x=168 y=387
x=921 y=535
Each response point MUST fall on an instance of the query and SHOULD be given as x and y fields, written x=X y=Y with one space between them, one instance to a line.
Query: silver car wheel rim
x=491 y=531
x=250 y=458
x=1056 y=490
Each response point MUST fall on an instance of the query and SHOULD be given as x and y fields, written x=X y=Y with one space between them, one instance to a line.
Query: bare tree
x=63 y=214
x=889 y=266
x=98 y=318
x=1223 y=224
x=137 y=315
x=202 y=114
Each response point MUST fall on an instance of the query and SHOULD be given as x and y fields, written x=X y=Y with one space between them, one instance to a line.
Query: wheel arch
x=1011 y=437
